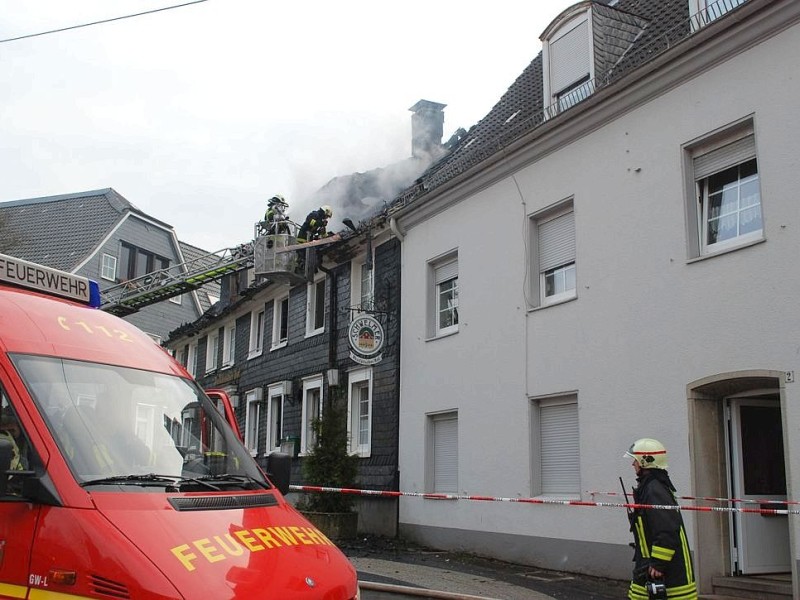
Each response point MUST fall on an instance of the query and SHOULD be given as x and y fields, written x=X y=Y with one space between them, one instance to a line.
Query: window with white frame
x=312 y=410
x=191 y=359
x=567 y=63
x=315 y=308
x=108 y=267
x=229 y=345
x=252 y=420
x=280 y=322
x=724 y=193
x=256 y=333
x=704 y=11
x=362 y=284
x=359 y=423
x=212 y=351
x=442 y=460
x=275 y=395
x=555 y=446
x=553 y=247
x=443 y=295
x=145 y=423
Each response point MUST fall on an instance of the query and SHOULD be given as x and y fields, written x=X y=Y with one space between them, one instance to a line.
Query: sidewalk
x=394 y=573
x=392 y=562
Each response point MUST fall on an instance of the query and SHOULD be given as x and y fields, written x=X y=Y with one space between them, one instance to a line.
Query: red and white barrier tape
x=432 y=496
x=710 y=499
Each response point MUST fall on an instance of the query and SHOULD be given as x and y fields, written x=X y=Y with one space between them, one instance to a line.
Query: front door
x=757 y=472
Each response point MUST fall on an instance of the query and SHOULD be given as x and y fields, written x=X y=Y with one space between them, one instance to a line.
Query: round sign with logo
x=366 y=336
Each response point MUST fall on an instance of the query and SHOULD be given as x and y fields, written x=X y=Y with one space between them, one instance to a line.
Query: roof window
x=567 y=59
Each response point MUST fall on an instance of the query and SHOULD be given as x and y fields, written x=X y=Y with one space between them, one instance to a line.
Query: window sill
x=226 y=366
x=725 y=251
x=211 y=371
x=555 y=303
x=441 y=335
x=279 y=346
x=254 y=354
x=316 y=332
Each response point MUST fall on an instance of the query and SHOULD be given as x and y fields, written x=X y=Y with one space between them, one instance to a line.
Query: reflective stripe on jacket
x=661 y=540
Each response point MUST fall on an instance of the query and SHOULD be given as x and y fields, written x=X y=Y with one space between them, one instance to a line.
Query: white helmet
x=328 y=210
x=648 y=453
x=278 y=199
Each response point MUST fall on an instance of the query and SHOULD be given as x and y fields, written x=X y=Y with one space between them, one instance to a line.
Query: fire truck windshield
x=118 y=426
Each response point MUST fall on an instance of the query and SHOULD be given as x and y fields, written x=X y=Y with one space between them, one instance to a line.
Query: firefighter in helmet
x=275 y=217
x=662 y=559
x=11 y=431
x=314 y=227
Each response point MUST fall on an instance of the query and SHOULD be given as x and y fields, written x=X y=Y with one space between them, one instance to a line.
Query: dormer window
x=704 y=12
x=568 y=65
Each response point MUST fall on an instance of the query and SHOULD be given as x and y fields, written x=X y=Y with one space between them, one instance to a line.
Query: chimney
x=427 y=125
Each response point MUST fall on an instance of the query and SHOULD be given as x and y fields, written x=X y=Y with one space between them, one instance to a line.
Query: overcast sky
x=199 y=114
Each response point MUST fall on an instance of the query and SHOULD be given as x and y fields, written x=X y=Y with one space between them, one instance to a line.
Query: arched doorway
x=737 y=441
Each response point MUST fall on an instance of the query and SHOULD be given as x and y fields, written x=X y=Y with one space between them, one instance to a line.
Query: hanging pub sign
x=366 y=340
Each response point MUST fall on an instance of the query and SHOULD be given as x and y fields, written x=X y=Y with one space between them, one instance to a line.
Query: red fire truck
x=120 y=478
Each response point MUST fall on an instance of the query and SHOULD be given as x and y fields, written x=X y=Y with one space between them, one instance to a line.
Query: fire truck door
x=17 y=525
x=17 y=522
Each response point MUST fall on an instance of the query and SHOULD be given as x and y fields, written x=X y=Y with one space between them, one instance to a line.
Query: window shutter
x=445 y=453
x=446 y=271
x=557 y=242
x=560 y=444
x=724 y=157
x=569 y=57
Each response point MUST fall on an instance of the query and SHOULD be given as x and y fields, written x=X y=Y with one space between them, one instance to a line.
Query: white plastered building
x=625 y=268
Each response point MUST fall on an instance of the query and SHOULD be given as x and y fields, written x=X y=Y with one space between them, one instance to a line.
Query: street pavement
x=409 y=575
x=392 y=562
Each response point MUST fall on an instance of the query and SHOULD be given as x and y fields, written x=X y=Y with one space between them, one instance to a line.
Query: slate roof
x=627 y=35
x=60 y=231
x=193 y=253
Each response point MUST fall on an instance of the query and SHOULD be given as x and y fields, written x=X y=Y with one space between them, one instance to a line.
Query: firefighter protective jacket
x=660 y=540
x=314 y=226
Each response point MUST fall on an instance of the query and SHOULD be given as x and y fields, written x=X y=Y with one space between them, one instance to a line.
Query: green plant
x=330 y=464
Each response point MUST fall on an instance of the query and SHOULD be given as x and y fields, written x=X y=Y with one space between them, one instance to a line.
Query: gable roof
x=61 y=231
x=635 y=32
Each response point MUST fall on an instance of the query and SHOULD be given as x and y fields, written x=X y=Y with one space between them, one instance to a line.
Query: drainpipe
x=395 y=229
x=333 y=335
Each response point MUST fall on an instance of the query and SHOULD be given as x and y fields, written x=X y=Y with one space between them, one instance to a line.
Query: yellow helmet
x=328 y=210
x=649 y=453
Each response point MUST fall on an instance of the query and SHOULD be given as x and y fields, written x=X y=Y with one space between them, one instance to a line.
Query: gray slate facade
x=302 y=357
x=78 y=232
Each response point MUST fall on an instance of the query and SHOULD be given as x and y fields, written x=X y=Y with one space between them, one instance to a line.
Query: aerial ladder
x=274 y=256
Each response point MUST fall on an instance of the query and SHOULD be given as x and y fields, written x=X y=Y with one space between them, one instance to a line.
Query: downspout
x=396 y=229
x=333 y=335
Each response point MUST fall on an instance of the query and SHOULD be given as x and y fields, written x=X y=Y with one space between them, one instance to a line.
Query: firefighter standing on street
x=662 y=559
x=314 y=227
